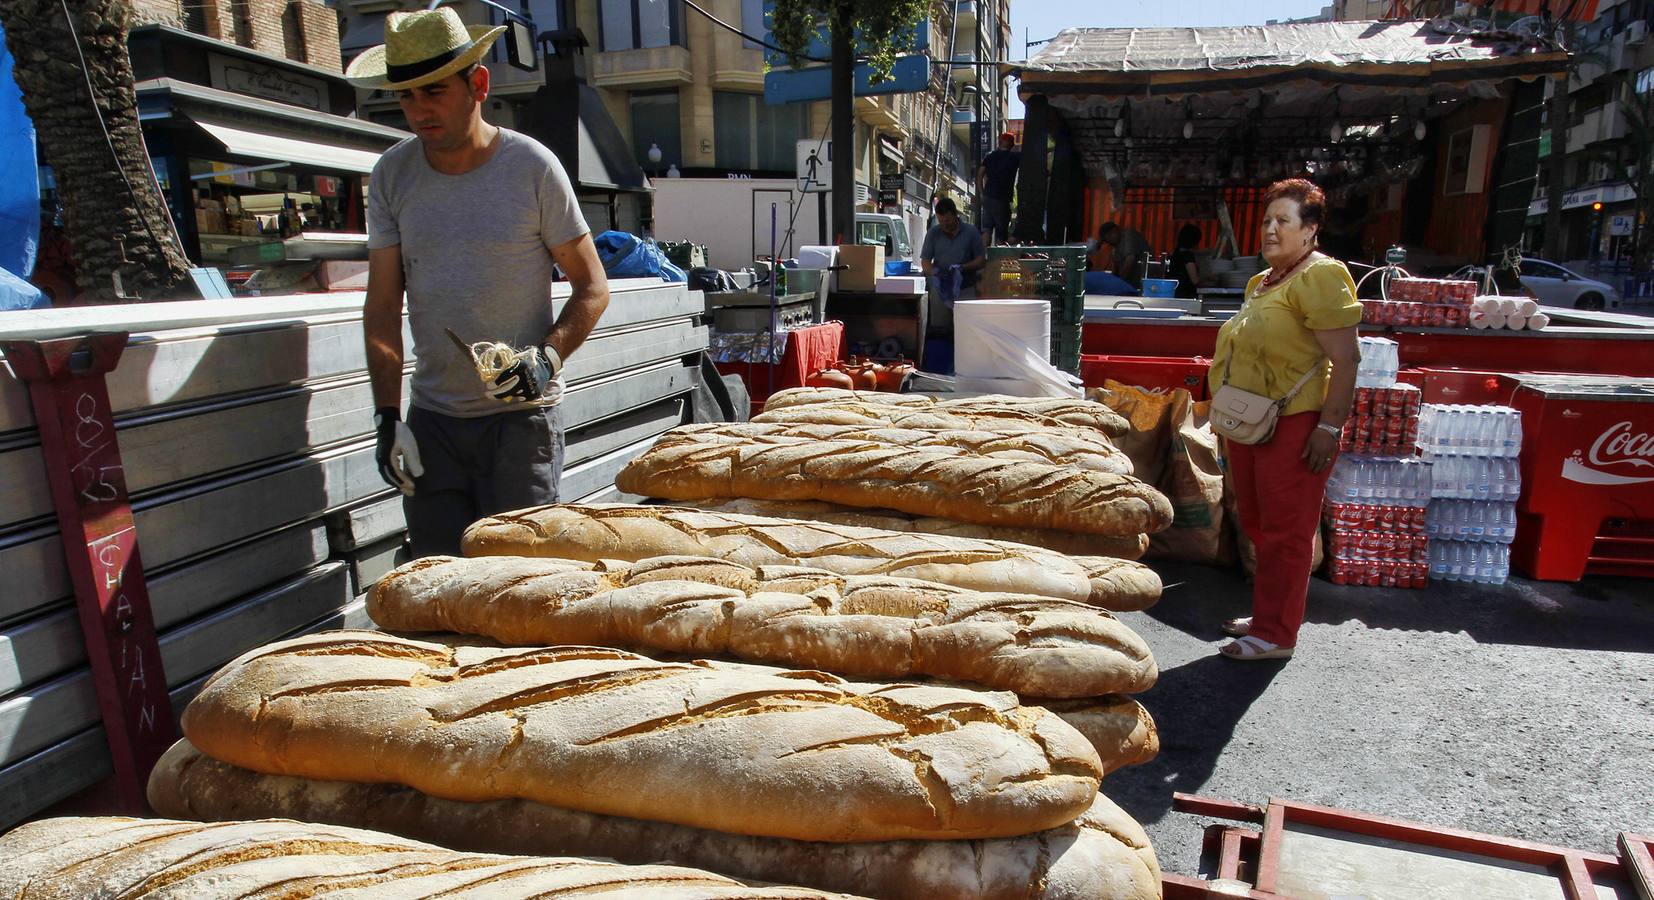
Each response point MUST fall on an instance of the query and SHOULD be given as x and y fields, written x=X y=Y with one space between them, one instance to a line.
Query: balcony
x=963 y=119
x=1604 y=123
x=879 y=112
x=965 y=74
x=966 y=12
x=651 y=68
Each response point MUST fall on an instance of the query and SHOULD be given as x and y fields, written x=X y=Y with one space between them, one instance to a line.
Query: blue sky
x=1044 y=18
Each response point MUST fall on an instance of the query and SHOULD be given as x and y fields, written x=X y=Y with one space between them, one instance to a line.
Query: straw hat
x=421 y=48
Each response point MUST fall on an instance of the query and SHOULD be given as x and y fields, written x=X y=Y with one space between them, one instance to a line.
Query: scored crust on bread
x=798 y=405
x=732 y=747
x=1082 y=449
x=926 y=480
x=1120 y=729
x=592 y=532
x=79 y=858
x=1103 y=853
x=1129 y=547
x=860 y=625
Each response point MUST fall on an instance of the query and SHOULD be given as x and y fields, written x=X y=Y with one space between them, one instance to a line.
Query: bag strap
x=1311 y=373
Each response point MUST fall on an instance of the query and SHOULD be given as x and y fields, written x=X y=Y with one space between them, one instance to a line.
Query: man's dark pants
x=479 y=467
x=996 y=220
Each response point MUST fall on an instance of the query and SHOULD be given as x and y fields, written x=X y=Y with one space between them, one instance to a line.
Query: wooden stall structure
x=1423 y=133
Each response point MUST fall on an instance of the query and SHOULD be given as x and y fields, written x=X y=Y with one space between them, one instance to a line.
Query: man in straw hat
x=468 y=219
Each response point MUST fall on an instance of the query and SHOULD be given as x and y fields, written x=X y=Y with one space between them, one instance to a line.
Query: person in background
x=469 y=219
x=1183 y=266
x=1299 y=318
x=996 y=180
x=952 y=258
x=1131 y=250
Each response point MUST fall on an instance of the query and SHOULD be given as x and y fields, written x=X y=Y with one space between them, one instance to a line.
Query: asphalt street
x=1524 y=710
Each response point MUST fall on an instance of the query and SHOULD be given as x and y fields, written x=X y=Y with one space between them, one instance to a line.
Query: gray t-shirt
x=475 y=257
x=964 y=246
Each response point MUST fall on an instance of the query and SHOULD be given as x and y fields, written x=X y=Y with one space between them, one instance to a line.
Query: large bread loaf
x=1118 y=727
x=928 y=481
x=739 y=748
x=862 y=625
x=1102 y=854
x=791 y=405
x=592 y=532
x=1066 y=447
x=133 y=859
x=1065 y=542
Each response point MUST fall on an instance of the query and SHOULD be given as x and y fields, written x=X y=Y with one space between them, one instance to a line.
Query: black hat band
x=411 y=71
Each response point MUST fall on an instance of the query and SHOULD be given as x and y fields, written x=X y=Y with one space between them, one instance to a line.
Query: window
x=242 y=23
x=754 y=137
x=292 y=33
x=655 y=122
x=640 y=24
x=753 y=22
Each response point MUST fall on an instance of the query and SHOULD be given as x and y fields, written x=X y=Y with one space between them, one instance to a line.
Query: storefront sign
x=891 y=183
x=269 y=82
x=1602 y=193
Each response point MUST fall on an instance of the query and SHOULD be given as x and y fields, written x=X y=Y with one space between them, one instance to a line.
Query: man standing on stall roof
x=469 y=219
x=1130 y=252
x=996 y=180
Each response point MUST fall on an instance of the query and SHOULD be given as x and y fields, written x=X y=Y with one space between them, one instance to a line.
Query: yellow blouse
x=1270 y=343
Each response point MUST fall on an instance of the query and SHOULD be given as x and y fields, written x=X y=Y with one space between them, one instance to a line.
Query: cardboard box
x=864 y=266
x=211 y=221
x=900 y=284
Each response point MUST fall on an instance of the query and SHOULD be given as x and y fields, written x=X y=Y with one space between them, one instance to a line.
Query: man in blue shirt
x=996 y=179
x=952 y=257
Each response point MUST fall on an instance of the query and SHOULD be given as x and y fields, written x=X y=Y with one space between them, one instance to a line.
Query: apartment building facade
x=687 y=96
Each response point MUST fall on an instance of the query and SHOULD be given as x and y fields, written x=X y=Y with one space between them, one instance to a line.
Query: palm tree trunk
x=98 y=203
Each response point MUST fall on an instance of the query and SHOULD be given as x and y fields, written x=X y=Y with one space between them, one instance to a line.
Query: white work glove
x=535 y=376
x=397 y=452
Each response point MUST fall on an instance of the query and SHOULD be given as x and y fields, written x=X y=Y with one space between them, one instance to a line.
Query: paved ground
x=1524 y=710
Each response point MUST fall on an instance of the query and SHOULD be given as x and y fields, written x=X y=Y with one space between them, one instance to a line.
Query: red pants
x=1279 y=500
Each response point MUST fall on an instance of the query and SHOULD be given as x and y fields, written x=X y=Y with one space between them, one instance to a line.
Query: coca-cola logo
x=1617 y=446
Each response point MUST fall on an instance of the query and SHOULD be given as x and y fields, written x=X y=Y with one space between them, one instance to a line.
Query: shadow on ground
x=1596 y=614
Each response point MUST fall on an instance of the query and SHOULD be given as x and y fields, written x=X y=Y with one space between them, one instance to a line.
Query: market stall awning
x=606 y=160
x=1164 y=61
x=240 y=141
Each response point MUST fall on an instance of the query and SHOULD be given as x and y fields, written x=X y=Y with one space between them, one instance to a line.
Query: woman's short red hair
x=1312 y=203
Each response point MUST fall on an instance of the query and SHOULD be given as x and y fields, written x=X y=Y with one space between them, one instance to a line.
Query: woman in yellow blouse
x=1300 y=315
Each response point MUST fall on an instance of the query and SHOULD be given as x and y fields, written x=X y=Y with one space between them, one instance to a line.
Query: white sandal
x=1251 y=648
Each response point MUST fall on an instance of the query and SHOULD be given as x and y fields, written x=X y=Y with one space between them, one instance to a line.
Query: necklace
x=1273 y=278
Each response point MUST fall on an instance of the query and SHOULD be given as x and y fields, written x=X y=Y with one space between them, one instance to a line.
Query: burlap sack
x=1149 y=413
x=1193 y=481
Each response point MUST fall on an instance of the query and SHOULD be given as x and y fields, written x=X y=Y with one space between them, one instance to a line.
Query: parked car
x=1554 y=285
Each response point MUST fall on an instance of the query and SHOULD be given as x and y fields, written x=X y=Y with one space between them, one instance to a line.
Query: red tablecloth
x=808 y=350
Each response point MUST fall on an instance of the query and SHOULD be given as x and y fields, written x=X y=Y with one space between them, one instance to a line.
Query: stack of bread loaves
x=1033 y=470
x=775 y=774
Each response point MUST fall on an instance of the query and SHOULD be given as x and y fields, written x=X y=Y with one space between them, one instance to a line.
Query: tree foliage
x=879 y=25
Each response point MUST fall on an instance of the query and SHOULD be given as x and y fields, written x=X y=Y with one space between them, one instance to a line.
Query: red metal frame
x=1576 y=868
x=1637 y=854
x=100 y=544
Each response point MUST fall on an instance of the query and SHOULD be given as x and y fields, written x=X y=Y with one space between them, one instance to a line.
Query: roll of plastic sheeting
x=1027 y=322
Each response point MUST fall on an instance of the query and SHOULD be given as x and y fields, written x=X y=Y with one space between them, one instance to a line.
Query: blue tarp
x=15 y=293
x=19 y=179
x=626 y=256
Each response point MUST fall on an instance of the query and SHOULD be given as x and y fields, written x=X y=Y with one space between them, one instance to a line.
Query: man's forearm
x=383 y=334
x=580 y=316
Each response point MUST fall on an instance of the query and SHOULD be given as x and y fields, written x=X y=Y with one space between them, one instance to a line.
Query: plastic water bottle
x=1513 y=436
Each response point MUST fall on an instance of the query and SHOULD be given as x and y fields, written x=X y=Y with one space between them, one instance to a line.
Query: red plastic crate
x=1155 y=373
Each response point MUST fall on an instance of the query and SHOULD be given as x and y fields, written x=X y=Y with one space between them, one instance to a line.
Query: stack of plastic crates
x=1054 y=274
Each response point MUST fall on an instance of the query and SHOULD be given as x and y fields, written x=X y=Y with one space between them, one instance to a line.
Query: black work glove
x=533 y=377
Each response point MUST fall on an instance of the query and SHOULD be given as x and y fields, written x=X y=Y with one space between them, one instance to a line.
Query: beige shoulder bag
x=1248 y=418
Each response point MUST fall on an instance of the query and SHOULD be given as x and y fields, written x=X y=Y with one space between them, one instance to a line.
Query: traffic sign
x=815 y=166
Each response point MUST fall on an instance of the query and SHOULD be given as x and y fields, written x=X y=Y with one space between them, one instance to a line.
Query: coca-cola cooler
x=1587 y=500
